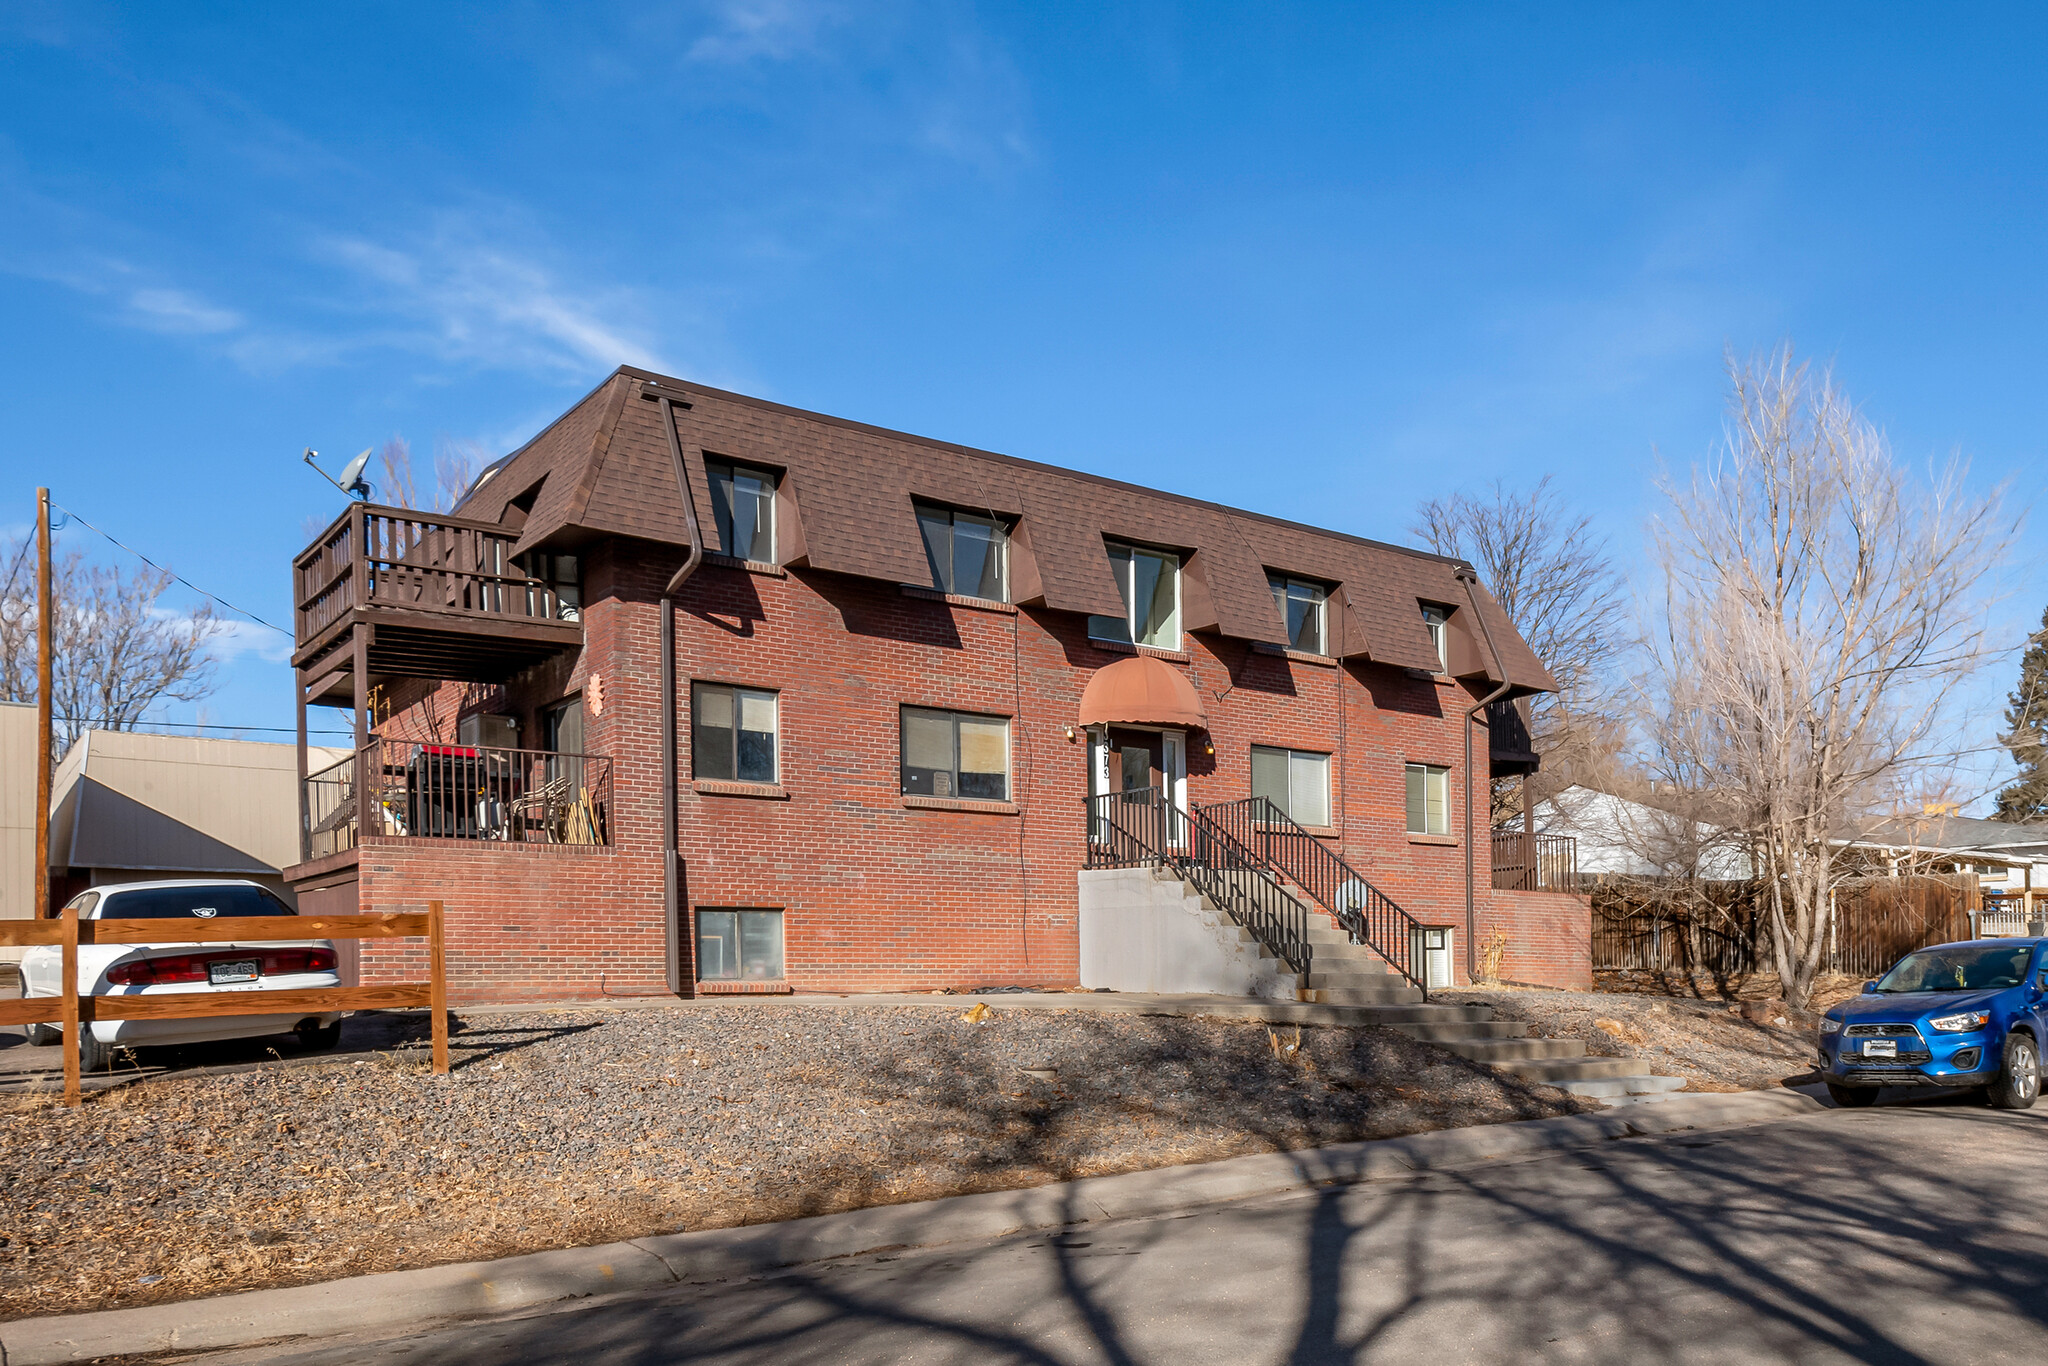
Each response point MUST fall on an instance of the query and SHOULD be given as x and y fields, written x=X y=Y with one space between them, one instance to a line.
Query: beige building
x=17 y=811
x=128 y=807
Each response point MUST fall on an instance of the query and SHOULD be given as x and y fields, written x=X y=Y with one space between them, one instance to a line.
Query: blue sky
x=1321 y=261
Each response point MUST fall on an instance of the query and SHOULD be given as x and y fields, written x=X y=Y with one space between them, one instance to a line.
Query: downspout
x=672 y=868
x=1471 y=582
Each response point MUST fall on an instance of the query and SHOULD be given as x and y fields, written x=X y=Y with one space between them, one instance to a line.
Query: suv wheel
x=2019 y=1084
x=1852 y=1097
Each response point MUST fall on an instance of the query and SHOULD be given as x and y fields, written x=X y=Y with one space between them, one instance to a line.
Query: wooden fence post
x=71 y=1036
x=437 y=986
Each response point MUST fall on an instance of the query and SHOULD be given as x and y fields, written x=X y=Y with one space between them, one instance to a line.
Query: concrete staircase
x=1350 y=975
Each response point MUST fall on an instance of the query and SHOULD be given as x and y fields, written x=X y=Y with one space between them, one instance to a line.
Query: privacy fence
x=1723 y=929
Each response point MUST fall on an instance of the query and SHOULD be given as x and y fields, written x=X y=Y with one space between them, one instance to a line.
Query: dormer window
x=1435 y=619
x=1304 y=606
x=1149 y=581
x=743 y=505
x=969 y=555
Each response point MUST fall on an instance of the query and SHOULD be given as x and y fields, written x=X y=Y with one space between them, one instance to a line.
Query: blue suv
x=1971 y=1014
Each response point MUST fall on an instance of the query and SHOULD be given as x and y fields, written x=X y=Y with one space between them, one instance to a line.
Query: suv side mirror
x=1870 y=988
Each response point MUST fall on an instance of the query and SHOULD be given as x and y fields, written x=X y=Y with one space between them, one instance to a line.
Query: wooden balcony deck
x=442 y=596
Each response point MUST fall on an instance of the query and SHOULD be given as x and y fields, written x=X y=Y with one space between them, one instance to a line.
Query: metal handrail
x=467 y=792
x=1284 y=849
x=1142 y=827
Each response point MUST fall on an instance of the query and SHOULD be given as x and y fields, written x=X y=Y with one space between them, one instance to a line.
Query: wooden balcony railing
x=419 y=562
x=1524 y=862
x=466 y=792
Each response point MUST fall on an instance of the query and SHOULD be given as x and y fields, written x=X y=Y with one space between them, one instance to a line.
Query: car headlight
x=1830 y=1025
x=1960 y=1024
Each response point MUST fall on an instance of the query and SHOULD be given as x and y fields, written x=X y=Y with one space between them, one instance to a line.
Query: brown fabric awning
x=1141 y=691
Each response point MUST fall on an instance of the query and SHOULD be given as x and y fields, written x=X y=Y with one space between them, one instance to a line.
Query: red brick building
x=884 y=736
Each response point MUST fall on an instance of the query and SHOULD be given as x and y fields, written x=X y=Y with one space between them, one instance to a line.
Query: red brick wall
x=877 y=895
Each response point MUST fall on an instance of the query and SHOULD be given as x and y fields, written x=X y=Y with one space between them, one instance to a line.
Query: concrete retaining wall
x=1142 y=930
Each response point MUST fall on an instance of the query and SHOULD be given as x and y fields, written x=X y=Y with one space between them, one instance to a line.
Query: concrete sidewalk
x=403 y=1298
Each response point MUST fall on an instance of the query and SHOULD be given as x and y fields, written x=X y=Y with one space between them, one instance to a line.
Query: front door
x=1136 y=760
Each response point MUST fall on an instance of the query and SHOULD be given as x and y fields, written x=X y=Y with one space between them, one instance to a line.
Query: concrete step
x=1515 y=1050
x=1394 y=1016
x=1607 y=1088
x=1443 y=1031
x=1649 y=1098
x=1551 y=1071
x=1346 y=975
x=1394 y=993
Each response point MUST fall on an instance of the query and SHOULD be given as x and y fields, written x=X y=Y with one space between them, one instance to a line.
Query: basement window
x=739 y=946
x=1429 y=800
x=1296 y=781
x=955 y=754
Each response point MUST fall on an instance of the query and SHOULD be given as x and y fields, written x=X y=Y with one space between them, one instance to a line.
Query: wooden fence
x=74 y=1011
x=1724 y=929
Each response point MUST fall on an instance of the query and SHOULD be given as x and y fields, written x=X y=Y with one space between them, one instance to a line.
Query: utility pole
x=46 y=649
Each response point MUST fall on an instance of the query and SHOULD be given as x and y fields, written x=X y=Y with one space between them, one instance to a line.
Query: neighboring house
x=1619 y=837
x=2010 y=861
x=126 y=806
x=17 y=814
x=902 y=670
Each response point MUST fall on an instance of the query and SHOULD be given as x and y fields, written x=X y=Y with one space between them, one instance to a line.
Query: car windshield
x=189 y=903
x=1963 y=968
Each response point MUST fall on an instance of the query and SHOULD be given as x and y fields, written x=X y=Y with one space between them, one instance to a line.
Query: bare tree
x=456 y=466
x=1551 y=573
x=1819 y=605
x=117 y=652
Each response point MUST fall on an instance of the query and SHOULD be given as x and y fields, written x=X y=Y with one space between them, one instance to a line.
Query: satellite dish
x=352 y=481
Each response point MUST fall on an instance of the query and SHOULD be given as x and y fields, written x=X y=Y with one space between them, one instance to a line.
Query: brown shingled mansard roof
x=602 y=469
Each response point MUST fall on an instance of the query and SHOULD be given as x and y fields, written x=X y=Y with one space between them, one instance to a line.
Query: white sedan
x=156 y=969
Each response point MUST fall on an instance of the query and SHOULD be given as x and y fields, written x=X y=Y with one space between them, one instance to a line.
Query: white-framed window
x=969 y=555
x=1436 y=619
x=733 y=733
x=1149 y=581
x=955 y=754
x=1429 y=799
x=739 y=945
x=743 y=505
x=1304 y=606
x=1297 y=781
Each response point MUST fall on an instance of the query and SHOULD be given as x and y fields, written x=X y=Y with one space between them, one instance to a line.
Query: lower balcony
x=417 y=790
x=1524 y=862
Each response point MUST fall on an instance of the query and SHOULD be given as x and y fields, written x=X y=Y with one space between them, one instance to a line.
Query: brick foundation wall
x=876 y=893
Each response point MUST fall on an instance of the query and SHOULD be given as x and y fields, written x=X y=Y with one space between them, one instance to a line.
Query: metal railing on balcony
x=1525 y=862
x=1143 y=828
x=394 y=557
x=466 y=792
x=1361 y=910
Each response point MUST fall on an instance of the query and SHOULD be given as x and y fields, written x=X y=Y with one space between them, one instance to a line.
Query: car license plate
x=1880 y=1048
x=240 y=970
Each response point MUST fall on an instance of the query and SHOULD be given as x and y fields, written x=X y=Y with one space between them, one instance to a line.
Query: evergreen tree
x=2026 y=735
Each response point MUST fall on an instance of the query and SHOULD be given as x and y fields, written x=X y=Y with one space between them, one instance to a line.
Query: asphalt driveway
x=1911 y=1233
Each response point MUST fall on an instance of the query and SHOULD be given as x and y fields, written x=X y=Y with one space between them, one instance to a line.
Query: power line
x=240 y=611
x=201 y=725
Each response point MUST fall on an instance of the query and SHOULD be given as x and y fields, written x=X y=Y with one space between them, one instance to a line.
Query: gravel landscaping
x=1715 y=1045
x=567 y=1127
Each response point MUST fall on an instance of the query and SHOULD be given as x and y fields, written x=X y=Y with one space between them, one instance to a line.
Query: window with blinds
x=1429 y=800
x=1296 y=781
x=732 y=733
x=955 y=754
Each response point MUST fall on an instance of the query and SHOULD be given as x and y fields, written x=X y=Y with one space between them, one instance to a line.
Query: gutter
x=673 y=870
x=1471 y=581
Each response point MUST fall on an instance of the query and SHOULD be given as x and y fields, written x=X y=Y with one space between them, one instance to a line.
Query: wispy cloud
x=179 y=312
x=473 y=299
x=774 y=30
